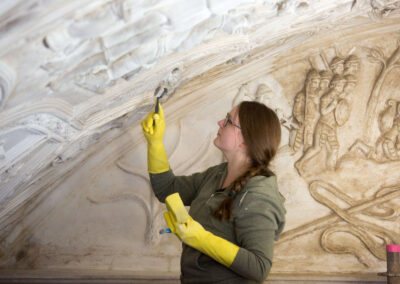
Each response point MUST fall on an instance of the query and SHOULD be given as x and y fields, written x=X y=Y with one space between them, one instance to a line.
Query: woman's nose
x=221 y=123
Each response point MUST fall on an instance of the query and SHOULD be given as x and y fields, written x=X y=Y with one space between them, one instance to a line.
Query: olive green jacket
x=258 y=219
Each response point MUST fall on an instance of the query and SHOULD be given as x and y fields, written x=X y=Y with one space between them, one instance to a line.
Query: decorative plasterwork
x=74 y=82
x=7 y=82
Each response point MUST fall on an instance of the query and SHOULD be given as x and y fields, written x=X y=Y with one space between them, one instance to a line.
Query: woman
x=236 y=209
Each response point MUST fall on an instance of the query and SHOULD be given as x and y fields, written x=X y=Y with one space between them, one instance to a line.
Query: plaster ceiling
x=75 y=75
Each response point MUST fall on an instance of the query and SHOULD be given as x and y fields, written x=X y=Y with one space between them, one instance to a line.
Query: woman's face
x=229 y=138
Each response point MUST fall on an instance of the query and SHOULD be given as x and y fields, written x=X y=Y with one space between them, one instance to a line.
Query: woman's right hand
x=153 y=129
x=153 y=126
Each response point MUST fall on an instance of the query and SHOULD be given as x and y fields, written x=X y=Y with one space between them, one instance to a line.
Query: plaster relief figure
x=337 y=66
x=351 y=65
x=325 y=135
x=258 y=91
x=326 y=77
x=263 y=94
x=387 y=146
x=387 y=65
x=343 y=109
x=355 y=225
x=385 y=119
x=306 y=111
x=351 y=83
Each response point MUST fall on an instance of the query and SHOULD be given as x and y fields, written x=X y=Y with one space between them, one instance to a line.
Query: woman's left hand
x=193 y=234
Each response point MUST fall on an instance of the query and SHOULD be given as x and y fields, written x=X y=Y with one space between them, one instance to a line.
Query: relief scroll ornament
x=7 y=82
x=146 y=199
x=350 y=217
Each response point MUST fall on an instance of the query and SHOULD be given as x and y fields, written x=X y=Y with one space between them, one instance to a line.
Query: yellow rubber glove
x=153 y=129
x=176 y=207
x=193 y=234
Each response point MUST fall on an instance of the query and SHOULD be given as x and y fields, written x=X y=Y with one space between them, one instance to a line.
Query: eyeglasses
x=229 y=121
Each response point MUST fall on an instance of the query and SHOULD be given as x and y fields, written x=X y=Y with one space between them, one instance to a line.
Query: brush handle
x=166 y=230
x=157 y=106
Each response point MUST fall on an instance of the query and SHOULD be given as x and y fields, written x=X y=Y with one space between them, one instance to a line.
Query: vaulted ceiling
x=75 y=75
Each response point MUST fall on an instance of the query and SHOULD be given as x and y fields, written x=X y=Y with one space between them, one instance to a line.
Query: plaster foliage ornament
x=114 y=41
x=56 y=127
x=383 y=8
x=125 y=49
x=95 y=80
x=365 y=210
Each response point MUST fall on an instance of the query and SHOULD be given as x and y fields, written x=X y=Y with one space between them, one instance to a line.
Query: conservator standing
x=236 y=208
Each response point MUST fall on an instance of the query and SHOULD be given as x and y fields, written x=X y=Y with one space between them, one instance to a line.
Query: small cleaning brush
x=158 y=94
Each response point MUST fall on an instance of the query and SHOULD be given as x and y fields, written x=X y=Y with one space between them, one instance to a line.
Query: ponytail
x=224 y=210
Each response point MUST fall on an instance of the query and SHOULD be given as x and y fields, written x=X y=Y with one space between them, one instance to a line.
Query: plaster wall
x=76 y=79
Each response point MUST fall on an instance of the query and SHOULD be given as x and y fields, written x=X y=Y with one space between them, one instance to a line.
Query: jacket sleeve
x=259 y=222
x=166 y=183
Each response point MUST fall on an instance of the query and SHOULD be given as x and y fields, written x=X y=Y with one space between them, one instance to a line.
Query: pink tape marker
x=393 y=248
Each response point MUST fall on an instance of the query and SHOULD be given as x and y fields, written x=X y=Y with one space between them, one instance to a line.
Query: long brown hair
x=261 y=132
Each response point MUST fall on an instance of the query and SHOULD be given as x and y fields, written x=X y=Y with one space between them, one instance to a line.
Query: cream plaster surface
x=77 y=77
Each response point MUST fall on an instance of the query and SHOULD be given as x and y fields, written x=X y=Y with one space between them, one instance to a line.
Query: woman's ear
x=243 y=145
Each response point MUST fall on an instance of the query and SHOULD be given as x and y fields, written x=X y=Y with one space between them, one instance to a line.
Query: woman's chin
x=216 y=142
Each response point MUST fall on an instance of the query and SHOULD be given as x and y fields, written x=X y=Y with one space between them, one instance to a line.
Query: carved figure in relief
x=305 y=111
x=347 y=231
x=351 y=82
x=325 y=131
x=311 y=108
x=387 y=146
x=387 y=64
x=326 y=77
x=263 y=94
x=337 y=66
x=351 y=65
x=342 y=111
